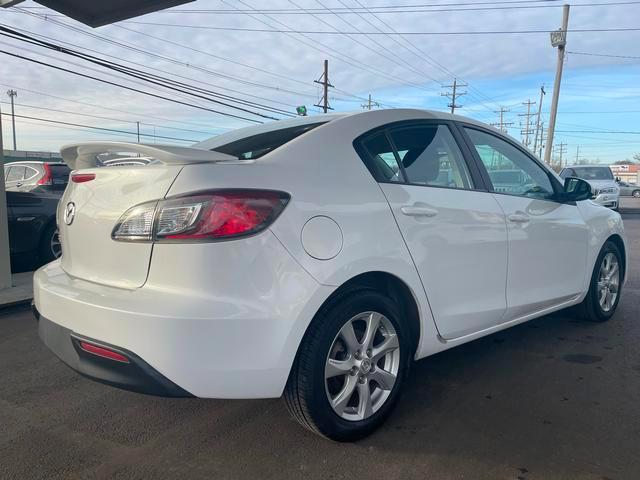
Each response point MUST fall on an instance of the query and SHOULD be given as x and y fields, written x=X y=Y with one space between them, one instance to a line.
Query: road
x=555 y=398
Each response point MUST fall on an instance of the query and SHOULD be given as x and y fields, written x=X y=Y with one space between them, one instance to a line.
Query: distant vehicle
x=603 y=184
x=36 y=176
x=315 y=258
x=628 y=189
x=33 y=233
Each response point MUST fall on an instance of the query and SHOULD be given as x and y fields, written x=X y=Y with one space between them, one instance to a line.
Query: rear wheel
x=636 y=193
x=50 y=247
x=606 y=281
x=350 y=367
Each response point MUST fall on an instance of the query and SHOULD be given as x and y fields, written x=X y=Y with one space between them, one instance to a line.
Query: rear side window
x=430 y=156
x=16 y=173
x=258 y=145
x=30 y=172
x=382 y=162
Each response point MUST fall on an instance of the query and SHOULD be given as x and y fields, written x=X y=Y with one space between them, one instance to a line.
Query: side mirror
x=576 y=189
x=618 y=179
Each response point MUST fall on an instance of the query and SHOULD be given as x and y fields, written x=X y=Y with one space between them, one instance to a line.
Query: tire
x=308 y=394
x=47 y=251
x=636 y=193
x=591 y=307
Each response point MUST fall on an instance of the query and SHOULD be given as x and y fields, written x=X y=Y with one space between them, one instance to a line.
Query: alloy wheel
x=54 y=244
x=362 y=366
x=608 y=282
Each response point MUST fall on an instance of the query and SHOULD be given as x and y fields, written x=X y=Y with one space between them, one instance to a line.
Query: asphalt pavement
x=555 y=398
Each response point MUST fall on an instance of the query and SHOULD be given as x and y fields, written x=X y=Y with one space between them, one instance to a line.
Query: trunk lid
x=125 y=175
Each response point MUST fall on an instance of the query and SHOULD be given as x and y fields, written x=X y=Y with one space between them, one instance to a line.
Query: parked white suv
x=606 y=191
x=315 y=258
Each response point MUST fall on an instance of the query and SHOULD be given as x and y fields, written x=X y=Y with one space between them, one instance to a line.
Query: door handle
x=19 y=184
x=518 y=217
x=418 y=211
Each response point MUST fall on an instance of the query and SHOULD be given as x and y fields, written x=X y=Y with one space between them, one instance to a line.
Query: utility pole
x=5 y=262
x=502 y=125
x=527 y=122
x=541 y=144
x=324 y=81
x=138 y=126
x=454 y=94
x=558 y=39
x=13 y=93
x=369 y=104
x=577 y=154
x=535 y=140
x=562 y=149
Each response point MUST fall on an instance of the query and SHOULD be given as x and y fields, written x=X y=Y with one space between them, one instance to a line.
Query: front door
x=547 y=238
x=455 y=232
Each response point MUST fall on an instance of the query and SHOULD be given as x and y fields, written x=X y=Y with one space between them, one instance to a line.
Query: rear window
x=258 y=145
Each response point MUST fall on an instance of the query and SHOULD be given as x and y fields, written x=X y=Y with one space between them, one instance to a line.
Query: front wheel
x=636 y=193
x=606 y=282
x=350 y=367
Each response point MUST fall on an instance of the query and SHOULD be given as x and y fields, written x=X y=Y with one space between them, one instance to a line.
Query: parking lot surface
x=555 y=398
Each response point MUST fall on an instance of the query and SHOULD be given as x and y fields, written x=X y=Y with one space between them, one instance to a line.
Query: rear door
x=88 y=251
x=547 y=238
x=455 y=231
x=15 y=177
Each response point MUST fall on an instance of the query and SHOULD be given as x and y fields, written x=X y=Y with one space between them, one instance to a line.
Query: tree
x=627 y=161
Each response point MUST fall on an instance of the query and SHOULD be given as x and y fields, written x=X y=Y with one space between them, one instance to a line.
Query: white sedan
x=315 y=258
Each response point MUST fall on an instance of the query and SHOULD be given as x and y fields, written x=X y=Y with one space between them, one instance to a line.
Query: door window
x=29 y=173
x=511 y=170
x=430 y=156
x=16 y=173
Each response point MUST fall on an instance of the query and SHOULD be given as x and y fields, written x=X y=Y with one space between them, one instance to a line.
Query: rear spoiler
x=85 y=155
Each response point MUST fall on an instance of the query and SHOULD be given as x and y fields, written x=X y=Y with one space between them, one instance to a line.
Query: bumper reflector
x=103 y=352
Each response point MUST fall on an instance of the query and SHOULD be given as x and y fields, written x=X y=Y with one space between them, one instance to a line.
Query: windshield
x=588 y=173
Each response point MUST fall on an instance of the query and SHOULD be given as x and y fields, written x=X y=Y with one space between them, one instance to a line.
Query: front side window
x=430 y=156
x=511 y=171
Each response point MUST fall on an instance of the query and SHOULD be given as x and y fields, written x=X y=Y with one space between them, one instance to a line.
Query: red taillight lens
x=222 y=214
x=103 y=352
x=82 y=177
x=47 y=179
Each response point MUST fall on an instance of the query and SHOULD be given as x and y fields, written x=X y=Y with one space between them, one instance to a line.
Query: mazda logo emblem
x=69 y=213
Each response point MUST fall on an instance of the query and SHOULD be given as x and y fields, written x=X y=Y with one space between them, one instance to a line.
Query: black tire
x=636 y=193
x=46 y=253
x=590 y=308
x=305 y=393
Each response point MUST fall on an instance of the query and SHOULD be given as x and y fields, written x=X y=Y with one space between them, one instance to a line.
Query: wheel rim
x=608 y=282
x=636 y=193
x=362 y=366
x=54 y=244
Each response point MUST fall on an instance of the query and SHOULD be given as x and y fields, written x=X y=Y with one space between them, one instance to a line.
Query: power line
x=340 y=32
x=59 y=122
x=211 y=96
x=104 y=107
x=22 y=57
x=388 y=9
x=604 y=55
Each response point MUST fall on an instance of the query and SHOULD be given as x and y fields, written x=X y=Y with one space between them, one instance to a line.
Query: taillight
x=216 y=215
x=47 y=178
x=103 y=352
x=82 y=177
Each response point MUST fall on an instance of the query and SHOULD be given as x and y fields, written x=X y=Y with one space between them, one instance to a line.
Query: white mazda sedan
x=315 y=259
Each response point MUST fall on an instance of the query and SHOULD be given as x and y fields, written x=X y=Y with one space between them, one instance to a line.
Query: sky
x=268 y=54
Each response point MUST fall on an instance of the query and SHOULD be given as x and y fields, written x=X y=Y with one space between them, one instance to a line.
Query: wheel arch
x=618 y=242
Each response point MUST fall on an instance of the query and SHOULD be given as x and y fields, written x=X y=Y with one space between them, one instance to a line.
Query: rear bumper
x=215 y=322
x=135 y=375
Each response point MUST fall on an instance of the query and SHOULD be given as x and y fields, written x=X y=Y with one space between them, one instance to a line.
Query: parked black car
x=36 y=176
x=33 y=233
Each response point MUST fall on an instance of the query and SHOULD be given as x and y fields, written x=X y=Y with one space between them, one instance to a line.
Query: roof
x=239 y=133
